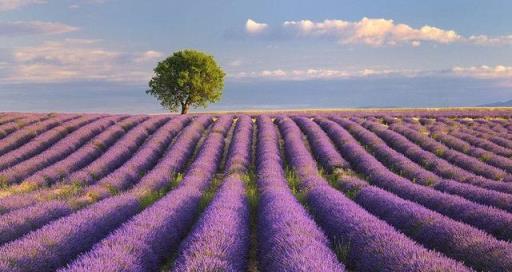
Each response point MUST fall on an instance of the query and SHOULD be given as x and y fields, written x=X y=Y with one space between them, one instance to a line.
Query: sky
x=420 y=53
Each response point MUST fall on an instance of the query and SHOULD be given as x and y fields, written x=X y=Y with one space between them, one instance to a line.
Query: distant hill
x=499 y=104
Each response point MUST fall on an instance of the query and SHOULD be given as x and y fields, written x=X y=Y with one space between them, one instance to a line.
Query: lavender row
x=477 y=152
x=360 y=234
x=84 y=155
x=494 y=132
x=457 y=240
x=22 y=136
x=481 y=137
x=389 y=156
x=448 y=136
x=58 y=151
x=327 y=151
x=22 y=221
x=62 y=169
x=7 y=118
x=433 y=146
x=483 y=143
x=238 y=157
x=413 y=171
x=321 y=145
x=118 y=153
x=55 y=244
x=288 y=238
x=143 y=243
x=39 y=214
x=474 y=137
x=503 y=201
x=19 y=121
x=442 y=167
x=494 y=221
x=219 y=241
x=140 y=163
x=175 y=158
x=17 y=223
x=44 y=141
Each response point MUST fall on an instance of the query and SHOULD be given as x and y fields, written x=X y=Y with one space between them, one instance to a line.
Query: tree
x=187 y=78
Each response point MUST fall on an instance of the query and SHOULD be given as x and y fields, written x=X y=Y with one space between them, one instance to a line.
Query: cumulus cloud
x=371 y=31
x=15 y=4
x=375 y=32
x=79 y=59
x=20 y=28
x=252 y=27
x=484 y=71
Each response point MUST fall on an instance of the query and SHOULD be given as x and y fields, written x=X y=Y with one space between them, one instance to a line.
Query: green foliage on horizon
x=187 y=78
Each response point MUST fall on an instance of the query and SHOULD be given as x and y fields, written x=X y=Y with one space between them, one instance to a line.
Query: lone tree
x=187 y=78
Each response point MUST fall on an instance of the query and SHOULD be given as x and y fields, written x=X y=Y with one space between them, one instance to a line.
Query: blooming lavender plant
x=22 y=136
x=118 y=153
x=457 y=240
x=494 y=221
x=409 y=169
x=15 y=122
x=84 y=155
x=289 y=239
x=354 y=230
x=220 y=240
x=48 y=139
x=60 y=150
x=141 y=162
x=143 y=243
x=57 y=243
x=322 y=146
x=433 y=146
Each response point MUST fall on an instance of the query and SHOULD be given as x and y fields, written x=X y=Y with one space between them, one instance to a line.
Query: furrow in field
x=76 y=138
x=19 y=122
x=156 y=232
x=433 y=230
x=46 y=140
x=219 y=241
x=401 y=165
x=452 y=206
x=435 y=147
x=19 y=222
x=352 y=229
x=24 y=135
x=288 y=237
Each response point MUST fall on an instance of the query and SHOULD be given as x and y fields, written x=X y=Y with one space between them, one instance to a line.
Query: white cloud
x=487 y=40
x=19 y=28
x=150 y=55
x=15 y=4
x=253 y=27
x=484 y=71
x=235 y=63
x=78 y=59
x=498 y=73
x=371 y=31
x=375 y=32
x=320 y=74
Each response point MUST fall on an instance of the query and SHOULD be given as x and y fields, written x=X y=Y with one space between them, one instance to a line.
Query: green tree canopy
x=187 y=78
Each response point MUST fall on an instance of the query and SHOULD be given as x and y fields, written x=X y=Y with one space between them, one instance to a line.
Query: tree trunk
x=184 y=108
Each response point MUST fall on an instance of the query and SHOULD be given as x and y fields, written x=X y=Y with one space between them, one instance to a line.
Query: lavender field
x=380 y=190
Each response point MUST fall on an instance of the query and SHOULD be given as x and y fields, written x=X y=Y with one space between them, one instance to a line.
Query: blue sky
x=109 y=43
